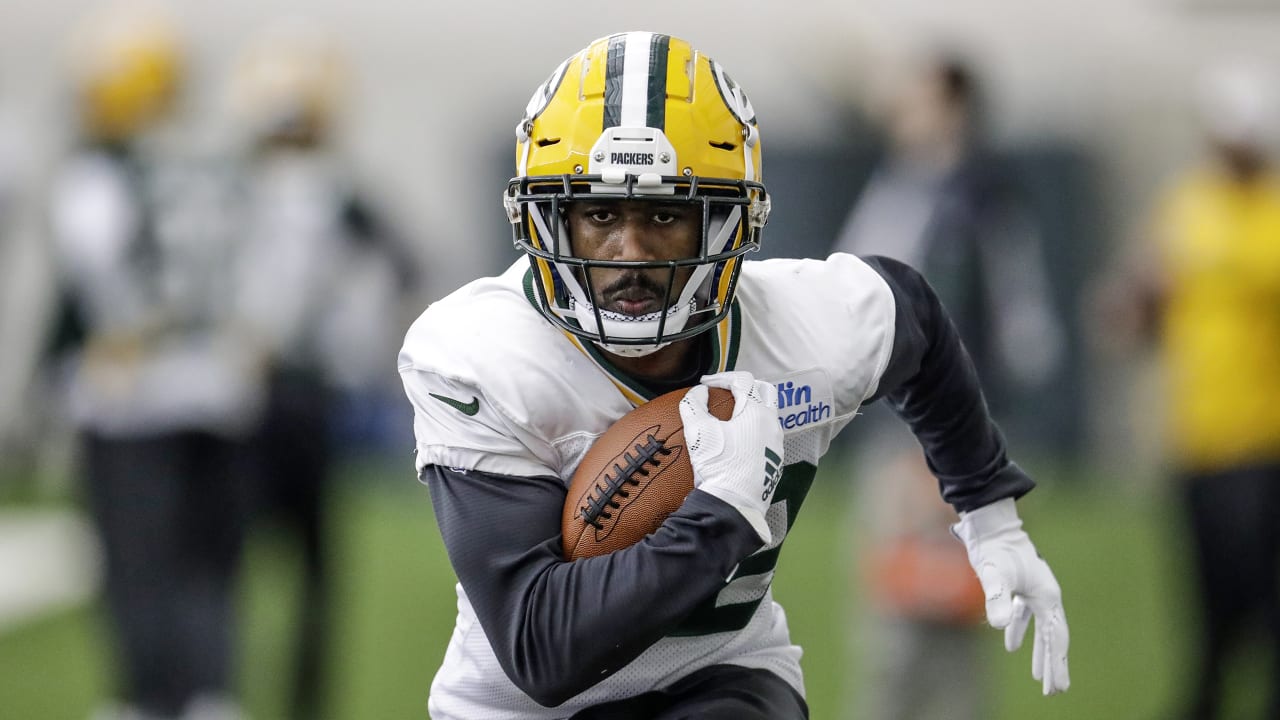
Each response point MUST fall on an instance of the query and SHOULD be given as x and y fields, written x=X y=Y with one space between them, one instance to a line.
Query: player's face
x=634 y=230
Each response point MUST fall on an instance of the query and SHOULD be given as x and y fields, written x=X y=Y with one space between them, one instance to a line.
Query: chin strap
x=629 y=350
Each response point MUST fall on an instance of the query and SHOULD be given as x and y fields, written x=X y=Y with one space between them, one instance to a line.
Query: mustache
x=631 y=282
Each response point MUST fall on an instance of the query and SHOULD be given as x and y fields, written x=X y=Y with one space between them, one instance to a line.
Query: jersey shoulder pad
x=836 y=314
x=531 y=387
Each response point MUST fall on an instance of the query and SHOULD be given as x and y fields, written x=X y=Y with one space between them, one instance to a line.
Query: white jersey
x=533 y=399
x=145 y=249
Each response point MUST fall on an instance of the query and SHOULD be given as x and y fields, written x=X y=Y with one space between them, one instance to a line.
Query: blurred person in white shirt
x=320 y=278
x=939 y=200
x=159 y=381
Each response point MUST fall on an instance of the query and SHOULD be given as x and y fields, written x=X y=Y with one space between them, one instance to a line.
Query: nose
x=631 y=240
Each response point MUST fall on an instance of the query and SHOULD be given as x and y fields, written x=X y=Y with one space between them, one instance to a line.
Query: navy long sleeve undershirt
x=932 y=385
x=560 y=627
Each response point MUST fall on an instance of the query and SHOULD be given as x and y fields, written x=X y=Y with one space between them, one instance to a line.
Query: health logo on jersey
x=804 y=399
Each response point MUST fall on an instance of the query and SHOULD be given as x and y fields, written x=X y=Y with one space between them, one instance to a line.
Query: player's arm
x=560 y=627
x=931 y=383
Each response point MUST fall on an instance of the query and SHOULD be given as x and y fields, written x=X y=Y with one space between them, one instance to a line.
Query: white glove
x=738 y=460
x=1018 y=584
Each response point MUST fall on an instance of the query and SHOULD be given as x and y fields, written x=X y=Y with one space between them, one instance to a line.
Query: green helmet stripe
x=656 y=115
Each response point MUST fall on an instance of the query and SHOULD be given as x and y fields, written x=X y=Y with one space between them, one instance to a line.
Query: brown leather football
x=633 y=476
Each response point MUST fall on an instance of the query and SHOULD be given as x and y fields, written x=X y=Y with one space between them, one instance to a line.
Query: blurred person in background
x=941 y=201
x=16 y=366
x=321 y=279
x=1204 y=283
x=159 y=382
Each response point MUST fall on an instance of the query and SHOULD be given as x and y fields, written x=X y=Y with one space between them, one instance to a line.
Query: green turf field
x=1116 y=555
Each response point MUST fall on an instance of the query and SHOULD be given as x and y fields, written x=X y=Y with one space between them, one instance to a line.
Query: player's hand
x=738 y=460
x=1018 y=584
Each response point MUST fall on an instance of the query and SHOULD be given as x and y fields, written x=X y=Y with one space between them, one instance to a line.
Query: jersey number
x=714 y=615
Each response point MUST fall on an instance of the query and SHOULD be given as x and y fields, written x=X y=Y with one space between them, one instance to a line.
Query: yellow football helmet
x=643 y=116
x=128 y=66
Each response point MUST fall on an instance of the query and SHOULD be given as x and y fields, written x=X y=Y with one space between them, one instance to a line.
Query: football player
x=637 y=194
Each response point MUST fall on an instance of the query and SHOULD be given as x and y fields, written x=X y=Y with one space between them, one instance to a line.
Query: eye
x=668 y=216
x=601 y=215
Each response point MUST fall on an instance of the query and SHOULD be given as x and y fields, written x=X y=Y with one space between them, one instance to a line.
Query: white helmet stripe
x=635 y=79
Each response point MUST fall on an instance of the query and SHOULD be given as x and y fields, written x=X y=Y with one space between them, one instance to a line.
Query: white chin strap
x=618 y=325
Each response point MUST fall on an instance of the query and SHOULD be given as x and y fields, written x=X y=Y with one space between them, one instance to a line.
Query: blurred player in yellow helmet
x=127 y=67
x=160 y=386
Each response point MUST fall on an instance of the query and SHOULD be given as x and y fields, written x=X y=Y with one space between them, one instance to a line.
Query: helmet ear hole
x=547 y=142
x=723 y=145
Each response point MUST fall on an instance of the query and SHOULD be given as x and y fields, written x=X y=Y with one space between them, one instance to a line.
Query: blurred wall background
x=438 y=86
x=437 y=89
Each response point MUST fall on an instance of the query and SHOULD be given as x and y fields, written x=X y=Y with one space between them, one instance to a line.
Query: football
x=632 y=477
